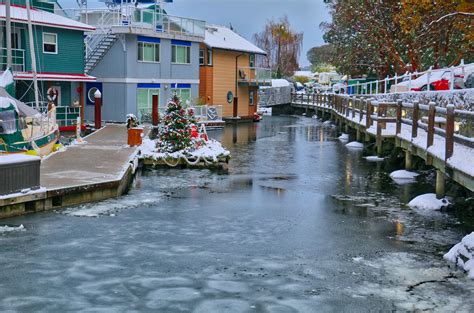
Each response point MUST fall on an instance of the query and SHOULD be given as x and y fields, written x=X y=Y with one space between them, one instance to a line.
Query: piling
x=440 y=180
x=408 y=160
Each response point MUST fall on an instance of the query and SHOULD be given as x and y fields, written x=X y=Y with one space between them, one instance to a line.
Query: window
x=251 y=97
x=7 y=122
x=145 y=101
x=201 y=56
x=180 y=52
x=148 y=52
x=183 y=91
x=209 y=56
x=50 y=43
x=252 y=60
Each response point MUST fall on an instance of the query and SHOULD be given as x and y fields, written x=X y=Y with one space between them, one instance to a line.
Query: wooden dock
x=101 y=168
x=427 y=131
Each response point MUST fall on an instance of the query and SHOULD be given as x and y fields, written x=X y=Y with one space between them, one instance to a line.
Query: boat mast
x=32 y=53
x=8 y=28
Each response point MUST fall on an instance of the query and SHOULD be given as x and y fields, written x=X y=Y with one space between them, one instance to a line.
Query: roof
x=39 y=17
x=222 y=37
x=55 y=76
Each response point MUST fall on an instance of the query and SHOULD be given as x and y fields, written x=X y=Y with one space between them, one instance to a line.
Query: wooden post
x=416 y=114
x=399 y=117
x=354 y=104
x=368 y=120
x=408 y=160
x=449 y=131
x=81 y=102
x=378 y=140
x=440 y=189
x=358 y=134
x=154 y=110
x=431 y=122
x=361 y=109
x=98 y=109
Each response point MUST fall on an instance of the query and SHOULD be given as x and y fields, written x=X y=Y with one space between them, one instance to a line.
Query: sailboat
x=24 y=129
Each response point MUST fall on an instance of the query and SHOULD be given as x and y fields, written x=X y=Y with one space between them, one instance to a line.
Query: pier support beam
x=440 y=180
x=346 y=128
x=358 y=135
x=366 y=137
x=408 y=160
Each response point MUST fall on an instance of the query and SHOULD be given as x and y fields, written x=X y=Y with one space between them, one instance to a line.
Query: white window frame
x=174 y=92
x=252 y=97
x=55 y=44
x=252 y=56
x=188 y=50
x=151 y=43
x=209 y=56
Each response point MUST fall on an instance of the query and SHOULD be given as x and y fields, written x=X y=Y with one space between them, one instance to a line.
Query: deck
x=100 y=168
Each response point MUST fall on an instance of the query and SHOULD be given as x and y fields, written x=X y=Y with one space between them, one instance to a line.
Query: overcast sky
x=249 y=16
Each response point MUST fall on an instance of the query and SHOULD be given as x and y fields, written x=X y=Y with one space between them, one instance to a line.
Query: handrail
x=443 y=122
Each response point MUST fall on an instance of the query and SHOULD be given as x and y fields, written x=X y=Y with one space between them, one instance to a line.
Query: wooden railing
x=403 y=117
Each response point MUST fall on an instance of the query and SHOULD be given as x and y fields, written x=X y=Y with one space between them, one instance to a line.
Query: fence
x=438 y=130
x=274 y=96
x=208 y=113
x=440 y=79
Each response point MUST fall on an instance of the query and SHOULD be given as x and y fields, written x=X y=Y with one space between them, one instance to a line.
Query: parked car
x=469 y=82
x=439 y=80
x=340 y=87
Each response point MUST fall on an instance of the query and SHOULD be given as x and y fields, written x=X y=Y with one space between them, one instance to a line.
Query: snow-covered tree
x=176 y=132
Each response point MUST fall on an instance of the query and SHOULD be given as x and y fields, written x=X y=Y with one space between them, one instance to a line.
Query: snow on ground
x=462 y=99
x=8 y=229
x=428 y=202
x=355 y=145
x=24 y=192
x=462 y=254
x=374 y=158
x=343 y=137
x=212 y=150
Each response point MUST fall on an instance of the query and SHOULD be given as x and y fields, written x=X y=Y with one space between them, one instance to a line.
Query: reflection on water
x=299 y=224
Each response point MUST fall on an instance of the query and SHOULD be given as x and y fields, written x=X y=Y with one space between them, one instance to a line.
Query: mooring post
x=358 y=134
x=408 y=160
x=154 y=110
x=98 y=109
x=440 y=190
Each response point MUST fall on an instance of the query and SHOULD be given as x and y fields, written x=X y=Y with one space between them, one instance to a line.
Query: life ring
x=52 y=94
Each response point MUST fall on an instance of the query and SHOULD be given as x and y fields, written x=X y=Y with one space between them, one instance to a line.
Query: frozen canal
x=300 y=224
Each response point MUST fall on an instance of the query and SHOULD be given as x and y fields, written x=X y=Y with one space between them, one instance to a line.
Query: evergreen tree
x=176 y=132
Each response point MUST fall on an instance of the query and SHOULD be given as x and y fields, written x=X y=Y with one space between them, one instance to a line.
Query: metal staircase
x=97 y=45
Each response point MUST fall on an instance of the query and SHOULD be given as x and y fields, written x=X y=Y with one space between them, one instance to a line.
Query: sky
x=249 y=16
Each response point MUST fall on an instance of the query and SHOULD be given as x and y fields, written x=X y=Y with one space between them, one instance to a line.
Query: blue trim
x=150 y=85
x=174 y=86
x=148 y=39
x=181 y=43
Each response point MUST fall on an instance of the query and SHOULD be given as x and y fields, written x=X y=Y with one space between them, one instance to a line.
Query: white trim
x=151 y=43
x=147 y=81
x=55 y=44
x=188 y=54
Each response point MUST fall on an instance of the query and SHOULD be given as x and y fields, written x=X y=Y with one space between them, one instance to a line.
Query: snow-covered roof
x=222 y=37
x=40 y=17
x=280 y=83
x=17 y=158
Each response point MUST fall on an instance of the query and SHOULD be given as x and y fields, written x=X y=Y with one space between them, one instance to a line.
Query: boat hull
x=44 y=145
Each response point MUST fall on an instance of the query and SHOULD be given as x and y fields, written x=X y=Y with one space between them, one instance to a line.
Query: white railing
x=208 y=113
x=453 y=78
x=18 y=59
x=138 y=18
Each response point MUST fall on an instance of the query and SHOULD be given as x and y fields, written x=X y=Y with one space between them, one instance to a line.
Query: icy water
x=299 y=224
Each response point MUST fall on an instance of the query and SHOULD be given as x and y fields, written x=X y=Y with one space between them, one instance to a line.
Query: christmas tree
x=176 y=132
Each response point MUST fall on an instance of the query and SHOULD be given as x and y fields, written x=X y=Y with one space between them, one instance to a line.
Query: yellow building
x=228 y=73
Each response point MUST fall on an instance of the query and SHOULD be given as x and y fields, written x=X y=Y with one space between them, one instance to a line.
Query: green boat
x=24 y=129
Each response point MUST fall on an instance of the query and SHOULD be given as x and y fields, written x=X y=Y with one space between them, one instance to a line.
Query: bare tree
x=282 y=45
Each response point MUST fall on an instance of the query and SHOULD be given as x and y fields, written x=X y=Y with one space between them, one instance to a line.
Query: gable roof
x=43 y=18
x=221 y=37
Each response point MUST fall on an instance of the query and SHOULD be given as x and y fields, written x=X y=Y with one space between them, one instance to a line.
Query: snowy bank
x=374 y=158
x=428 y=202
x=343 y=137
x=462 y=254
x=403 y=174
x=8 y=229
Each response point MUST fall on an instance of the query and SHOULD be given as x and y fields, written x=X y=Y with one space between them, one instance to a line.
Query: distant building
x=59 y=50
x=139 y=52
x=228 y=73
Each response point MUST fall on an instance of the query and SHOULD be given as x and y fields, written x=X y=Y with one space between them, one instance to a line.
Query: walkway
x=103 y=158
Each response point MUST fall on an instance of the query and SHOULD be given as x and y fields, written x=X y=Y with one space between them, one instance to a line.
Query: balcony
x=140 y=21
x=18 y=60
x=254 y=76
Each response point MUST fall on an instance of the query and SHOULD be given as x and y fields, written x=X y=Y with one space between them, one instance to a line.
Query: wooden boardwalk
x=100 y=168
x=427 y=131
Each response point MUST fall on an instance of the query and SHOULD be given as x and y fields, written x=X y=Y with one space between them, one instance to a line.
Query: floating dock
x=100 y=168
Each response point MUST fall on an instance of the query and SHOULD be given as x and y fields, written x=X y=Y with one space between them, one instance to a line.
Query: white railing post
x=428 y=76
x=395 y=82
x=377 y=86
x=409 y=81
x=451 y=80
x=385 y=85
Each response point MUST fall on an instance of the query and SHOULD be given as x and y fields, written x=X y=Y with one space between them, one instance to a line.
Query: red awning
x=54 y=77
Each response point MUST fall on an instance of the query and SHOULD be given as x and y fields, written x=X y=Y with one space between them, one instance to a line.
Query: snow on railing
x=439 y=79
